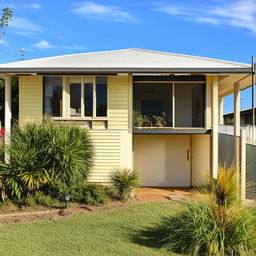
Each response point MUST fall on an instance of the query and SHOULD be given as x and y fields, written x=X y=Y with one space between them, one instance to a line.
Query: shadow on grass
x=153 y=236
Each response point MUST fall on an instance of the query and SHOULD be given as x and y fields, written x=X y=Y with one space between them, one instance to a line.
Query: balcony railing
x=250 y=132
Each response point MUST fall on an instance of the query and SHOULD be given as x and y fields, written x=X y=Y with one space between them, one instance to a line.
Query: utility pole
x=21 y=53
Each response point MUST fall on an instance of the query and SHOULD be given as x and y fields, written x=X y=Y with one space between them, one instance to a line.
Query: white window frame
x=67 y=80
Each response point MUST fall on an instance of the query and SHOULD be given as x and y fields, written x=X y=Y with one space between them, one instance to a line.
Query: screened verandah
x=169 y=102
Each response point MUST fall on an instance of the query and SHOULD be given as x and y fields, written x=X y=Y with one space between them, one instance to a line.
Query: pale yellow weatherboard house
x=153 y=111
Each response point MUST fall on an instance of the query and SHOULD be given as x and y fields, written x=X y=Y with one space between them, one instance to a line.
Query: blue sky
x=214 y=28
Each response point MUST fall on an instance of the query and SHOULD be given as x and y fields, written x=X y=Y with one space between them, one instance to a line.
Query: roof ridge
x=190 y=56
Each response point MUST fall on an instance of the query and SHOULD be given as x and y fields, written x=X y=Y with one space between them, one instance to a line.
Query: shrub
x=40 y=152
x=217 y=225
x=45 y=200
x=198 y=231
x=30 y=201
x=94 y=194
x=56 y=189
x=87 y=193
x=124 y=182
x=69 y=150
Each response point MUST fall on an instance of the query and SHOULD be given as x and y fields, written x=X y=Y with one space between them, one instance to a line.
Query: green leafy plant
x=45 y=200
x=30 y=201
x=89 y=193
x=217 y=225
x=124 y=182
x=69 y=150
x=150 y=121
x=41 y=152
x=197 y=230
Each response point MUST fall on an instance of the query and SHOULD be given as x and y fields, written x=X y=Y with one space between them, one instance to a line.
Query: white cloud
x=24 y=27
x=235 y=13
x=43 y=44
x=3 y=42
x=36 y=6
x=207 y=20
x=22 y=6
x=105 y=12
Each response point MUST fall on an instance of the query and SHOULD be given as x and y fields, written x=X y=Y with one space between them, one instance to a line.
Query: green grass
x=127 y=231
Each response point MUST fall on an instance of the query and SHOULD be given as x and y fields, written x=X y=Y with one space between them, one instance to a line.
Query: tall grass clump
x=124 y=181
x=217 y=224
x=41 y=152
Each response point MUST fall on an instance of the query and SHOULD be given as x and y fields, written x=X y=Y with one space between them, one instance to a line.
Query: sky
x=222 y=29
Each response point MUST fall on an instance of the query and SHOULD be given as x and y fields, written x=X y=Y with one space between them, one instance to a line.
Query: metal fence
x=251 y=171
x=226 y=149
x=226 y=153
x=250 y=132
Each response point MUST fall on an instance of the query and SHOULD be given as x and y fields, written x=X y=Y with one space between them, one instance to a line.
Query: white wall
x=201 y=152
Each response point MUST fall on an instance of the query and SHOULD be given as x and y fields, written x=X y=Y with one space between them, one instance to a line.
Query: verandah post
x=7 y=114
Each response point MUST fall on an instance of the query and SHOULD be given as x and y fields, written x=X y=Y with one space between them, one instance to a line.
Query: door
x=163 y=160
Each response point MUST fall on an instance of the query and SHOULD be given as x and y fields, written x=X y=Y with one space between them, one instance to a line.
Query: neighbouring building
x=246 y=117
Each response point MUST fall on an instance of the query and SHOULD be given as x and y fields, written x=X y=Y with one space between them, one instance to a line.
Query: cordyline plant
x=218 y=224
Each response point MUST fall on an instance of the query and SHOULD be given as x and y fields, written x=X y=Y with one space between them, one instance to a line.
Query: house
x=246 y=117
x=156 y=112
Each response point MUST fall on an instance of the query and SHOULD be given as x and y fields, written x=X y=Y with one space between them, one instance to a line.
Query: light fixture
x=66 y=200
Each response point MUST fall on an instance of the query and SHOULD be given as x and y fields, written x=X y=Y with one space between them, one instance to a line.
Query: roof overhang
x=74 y=70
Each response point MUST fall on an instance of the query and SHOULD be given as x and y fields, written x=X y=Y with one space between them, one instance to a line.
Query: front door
x=163 y=160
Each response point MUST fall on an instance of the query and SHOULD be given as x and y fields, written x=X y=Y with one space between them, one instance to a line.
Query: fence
x=226 y=153
x=249 y=130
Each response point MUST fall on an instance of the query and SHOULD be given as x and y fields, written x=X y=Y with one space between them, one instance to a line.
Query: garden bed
x=12 y=214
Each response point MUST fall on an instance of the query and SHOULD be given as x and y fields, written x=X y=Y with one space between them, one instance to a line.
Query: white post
x=236 y=125
x=221 y=118
x=7 y=114
x=215 y=127
x=243 y=165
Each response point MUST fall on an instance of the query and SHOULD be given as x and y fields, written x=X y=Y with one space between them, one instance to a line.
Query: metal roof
x=127 y=60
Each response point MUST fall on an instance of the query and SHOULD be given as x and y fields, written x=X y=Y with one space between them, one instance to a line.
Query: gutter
x=56 y=70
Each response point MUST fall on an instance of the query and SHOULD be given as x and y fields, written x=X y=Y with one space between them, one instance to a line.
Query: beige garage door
x=163 y=160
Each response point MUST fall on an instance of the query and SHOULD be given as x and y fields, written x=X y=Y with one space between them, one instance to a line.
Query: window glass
x=88 y=99
x=101 y=96
x=153 y=105
x=75 y=100
x=189 y=105
x=52 y=96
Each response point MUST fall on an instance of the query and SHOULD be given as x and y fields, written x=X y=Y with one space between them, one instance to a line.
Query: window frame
x=43 y=96
x=83 y=79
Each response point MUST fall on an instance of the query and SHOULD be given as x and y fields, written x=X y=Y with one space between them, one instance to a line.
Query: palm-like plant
x=28 y=158
x=43 y=151
x=69 y=150
x=124 y=182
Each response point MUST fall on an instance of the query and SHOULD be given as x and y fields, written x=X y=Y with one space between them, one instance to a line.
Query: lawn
x=126 y=231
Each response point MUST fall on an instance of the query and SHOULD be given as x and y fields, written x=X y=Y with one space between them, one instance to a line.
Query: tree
x=6 y=17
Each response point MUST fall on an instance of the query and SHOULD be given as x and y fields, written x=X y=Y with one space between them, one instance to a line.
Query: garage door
x=163 y=160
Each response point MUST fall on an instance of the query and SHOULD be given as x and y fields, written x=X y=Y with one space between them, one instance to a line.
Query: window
x=101 y=96
x=88 y=99
x=52 y=99
x=75 y=100
x=189 y=105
